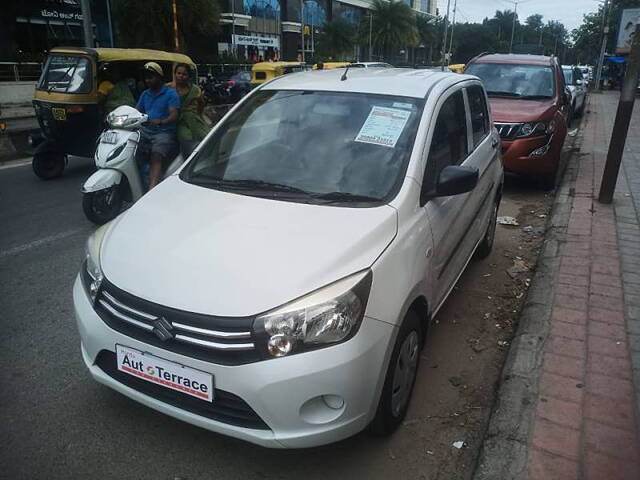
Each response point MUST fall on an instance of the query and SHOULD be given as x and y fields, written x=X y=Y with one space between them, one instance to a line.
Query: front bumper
x=517 y=158
x=283 y=392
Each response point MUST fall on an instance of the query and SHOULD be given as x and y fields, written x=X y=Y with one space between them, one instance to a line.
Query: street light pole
x=453 y=26
x=444 y=40
x=302 y=27
x=370 y=26
x=176 y=41
x=605 y=31
x=86 y=23
x=513 y=26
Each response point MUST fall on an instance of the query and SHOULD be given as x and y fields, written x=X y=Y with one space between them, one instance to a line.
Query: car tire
x=48 y=165
x=102 y=206
x=400 y=378
x=486 y=244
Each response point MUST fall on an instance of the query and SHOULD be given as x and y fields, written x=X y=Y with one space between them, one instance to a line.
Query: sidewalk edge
x=504 y=451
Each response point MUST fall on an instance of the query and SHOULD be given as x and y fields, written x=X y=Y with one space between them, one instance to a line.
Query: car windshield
x=513 y=80
x=310 y=146
x=66 y=73
x=568 y=76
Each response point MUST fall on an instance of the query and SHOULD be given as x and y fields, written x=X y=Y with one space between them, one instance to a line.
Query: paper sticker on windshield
x=408 y=106
x=383 y=126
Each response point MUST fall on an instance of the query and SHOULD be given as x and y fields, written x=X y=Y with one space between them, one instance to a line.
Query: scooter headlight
x=120 y=121
x=330 y=315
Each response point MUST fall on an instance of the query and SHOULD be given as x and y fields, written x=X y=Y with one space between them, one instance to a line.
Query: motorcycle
x=215 y=92
x=121 y=167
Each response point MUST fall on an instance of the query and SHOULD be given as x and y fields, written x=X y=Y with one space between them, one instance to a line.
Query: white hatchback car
x=279 y=287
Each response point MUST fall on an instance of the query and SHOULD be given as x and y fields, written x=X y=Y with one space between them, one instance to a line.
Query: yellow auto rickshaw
x=264 y=71
x=457 y=67
x=66 y=100
x=330 y=65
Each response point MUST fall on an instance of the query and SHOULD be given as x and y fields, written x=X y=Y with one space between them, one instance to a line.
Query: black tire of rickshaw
x=88 y=206
x=48 y=165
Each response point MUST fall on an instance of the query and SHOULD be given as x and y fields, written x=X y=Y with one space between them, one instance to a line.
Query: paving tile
x=610 y=440
x=578 y=280
x=569 y=330
x=605 y=315
x=610 y=268
x=557 y=439
x=568 y=315
x=564 y=366
x=568 y=301
x=601 y=409
x=614 y=388
x=619 y=367
x=614 y=331
x=572 y=291
x=570 y=347
x=603 y=279
x=607 y=346
x=600 y=466
x=560 y=411
x=562 y=387
x=606 y=291
x=610 y=303
x=546 y=466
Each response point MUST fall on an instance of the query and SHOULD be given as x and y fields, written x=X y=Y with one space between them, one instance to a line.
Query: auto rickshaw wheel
x=48 y=165
x=102 y=206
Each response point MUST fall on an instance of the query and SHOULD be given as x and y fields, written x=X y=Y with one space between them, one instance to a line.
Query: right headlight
x=325 y=317
x=92 y=269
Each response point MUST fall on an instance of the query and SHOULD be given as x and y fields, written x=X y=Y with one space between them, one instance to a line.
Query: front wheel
x=48 y=165
x=102 y=206
x=400 y=378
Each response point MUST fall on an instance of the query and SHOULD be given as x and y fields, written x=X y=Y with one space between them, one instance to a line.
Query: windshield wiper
x=247 y=184
x=534 y=97
x=345 y=197
x=504 y=94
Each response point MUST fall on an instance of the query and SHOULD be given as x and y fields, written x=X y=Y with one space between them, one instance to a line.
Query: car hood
x=510 y=110
x=218 y=253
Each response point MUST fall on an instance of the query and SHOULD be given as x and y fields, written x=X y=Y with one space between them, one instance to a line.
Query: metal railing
x=16 y=72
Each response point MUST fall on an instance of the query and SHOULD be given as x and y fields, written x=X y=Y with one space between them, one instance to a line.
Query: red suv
x=530 y=109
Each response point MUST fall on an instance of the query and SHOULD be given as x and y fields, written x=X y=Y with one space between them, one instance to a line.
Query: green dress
x=191 y=126
x=119 y=95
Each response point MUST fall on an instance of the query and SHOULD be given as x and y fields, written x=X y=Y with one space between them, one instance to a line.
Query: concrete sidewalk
x=569 y=399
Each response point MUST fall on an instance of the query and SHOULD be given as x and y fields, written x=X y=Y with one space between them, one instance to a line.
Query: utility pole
x=302 y=27
x=176 y=41
x=370 y=26
x=453 y=26
x=87 y=23
x=444 y=40
x=605 y=31
x=513 y=26
x=621 y=124
x=233 y=27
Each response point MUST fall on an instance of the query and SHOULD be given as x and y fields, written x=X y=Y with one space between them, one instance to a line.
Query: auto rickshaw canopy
x=125 y=54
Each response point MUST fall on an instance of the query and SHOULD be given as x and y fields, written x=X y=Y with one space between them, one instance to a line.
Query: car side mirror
x=579 y=82
x=454 y=180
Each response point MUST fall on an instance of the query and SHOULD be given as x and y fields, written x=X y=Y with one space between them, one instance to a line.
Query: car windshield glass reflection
x=314 y=147
x=568 y=76
x=512 y=80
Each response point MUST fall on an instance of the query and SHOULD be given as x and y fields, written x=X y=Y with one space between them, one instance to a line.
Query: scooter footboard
x=101 y=179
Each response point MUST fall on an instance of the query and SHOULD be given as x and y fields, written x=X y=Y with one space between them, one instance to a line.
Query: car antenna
x=344 y=75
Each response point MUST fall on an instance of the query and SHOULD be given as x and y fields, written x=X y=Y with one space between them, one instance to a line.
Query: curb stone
x=504 y=451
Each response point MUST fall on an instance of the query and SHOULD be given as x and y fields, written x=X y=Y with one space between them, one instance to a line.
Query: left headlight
x=330 y=315
x=93 y=271
x=534 y=129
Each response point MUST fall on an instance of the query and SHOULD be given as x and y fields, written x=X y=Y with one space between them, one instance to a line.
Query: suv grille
x=508 y=131
x=226 y=407
x=227 y=341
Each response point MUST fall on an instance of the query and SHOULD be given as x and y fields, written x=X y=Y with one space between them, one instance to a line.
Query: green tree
x=534 y=21
x=337 y=40
x=149 y=24
x=430 y=36
x=394 y=26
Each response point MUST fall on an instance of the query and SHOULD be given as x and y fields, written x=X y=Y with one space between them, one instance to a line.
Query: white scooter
x=118 y=178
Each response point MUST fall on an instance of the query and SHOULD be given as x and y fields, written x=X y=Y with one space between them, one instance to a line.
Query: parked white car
x=577 y=86
x=278 y=289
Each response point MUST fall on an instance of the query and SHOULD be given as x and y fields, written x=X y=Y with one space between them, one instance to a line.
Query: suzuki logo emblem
x=162 y=328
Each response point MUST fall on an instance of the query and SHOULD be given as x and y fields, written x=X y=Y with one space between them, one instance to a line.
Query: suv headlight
x=330 y=315
x=536 y=129
x=93 y=272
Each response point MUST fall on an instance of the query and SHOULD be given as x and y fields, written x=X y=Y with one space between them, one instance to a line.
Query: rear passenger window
x=479 y=114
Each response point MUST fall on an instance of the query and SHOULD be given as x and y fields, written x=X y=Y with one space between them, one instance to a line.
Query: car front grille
x=226 y=341
x=226 y=407
x=508 y=131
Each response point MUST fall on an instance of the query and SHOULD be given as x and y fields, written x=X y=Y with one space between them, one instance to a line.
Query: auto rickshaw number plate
x=59 y=114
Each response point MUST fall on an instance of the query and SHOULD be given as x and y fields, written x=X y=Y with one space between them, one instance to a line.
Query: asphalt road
x=56 y=422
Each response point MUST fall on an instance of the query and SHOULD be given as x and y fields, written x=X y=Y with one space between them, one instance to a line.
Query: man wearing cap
x=161 y=104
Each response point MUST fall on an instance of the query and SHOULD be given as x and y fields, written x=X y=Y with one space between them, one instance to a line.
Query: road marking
x=16 y=163
x=42 y=241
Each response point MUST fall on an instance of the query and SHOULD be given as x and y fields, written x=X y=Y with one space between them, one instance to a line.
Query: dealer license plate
x=163 y=372
x=109 y=137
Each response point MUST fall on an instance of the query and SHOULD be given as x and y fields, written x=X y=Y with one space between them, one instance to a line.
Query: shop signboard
x=628 y=20
x=254 y=41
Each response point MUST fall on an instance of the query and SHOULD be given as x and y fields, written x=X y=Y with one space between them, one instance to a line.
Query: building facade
x=275 y=29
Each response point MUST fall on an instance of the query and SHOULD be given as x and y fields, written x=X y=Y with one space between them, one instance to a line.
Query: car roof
x=515 y=58
x=382 y=81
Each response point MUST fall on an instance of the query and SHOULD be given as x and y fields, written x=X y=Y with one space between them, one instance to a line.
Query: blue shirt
x=157 y=106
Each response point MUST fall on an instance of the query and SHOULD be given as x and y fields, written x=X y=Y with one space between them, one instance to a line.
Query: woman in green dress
x=191 y=126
